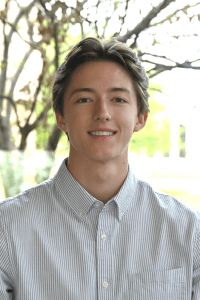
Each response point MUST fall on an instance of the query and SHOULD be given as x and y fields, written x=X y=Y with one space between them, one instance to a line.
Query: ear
x=61 y=122
x=141 y=122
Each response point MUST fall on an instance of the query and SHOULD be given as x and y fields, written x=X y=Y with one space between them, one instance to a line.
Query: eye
x=119 y=100
x=83 y=100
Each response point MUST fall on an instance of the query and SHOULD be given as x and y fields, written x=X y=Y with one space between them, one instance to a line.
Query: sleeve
x=6 y=287
x=196 y=264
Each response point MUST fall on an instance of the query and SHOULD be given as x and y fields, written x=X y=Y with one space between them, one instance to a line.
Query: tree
x=156 y=136
x=51 y=33
x=8 y=93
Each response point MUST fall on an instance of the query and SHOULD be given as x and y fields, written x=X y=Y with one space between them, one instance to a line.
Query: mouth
x=102 y=133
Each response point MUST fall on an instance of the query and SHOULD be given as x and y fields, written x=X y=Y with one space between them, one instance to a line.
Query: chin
x=104 y=157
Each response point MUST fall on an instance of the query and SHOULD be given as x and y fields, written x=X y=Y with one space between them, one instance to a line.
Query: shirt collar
x=81 y=201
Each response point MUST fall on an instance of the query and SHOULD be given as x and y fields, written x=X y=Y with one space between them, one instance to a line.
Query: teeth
x=101 y=133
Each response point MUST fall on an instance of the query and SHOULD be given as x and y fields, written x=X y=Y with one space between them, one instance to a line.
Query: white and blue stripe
x=57 y=242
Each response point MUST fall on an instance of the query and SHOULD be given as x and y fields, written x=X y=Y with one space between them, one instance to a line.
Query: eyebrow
x=82 y=90
x=114 y=89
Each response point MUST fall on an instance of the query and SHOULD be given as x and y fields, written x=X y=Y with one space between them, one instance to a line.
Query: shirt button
x=104 y=237
x=105 y=284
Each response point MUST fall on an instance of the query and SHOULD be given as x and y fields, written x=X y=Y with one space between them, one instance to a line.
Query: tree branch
x=15 y=30
x=145 y=22
x=19 y=70
x=159 y=68
x=172 y=15
x=95 y=23
x=20 y=14
x=35 y=124
x=14 y=106
x=123 y=18
x=51 y=15
x=155 y=55
x=29 y=127
x=37 y=91
x=48 y=13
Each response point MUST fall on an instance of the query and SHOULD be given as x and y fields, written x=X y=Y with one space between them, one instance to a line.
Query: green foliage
x=22 y=63
x=52 y=69
x=46 y=91
x=155 y=136
x=64 y=149
x=184 y=196
x=105 y=25
x=49 y=48
x=181 y=142
x=43 y=169
x=116 y=4
x=70 y=41
x=44 y=130
x=2 y=65
x=41 y=137
x=12 y=168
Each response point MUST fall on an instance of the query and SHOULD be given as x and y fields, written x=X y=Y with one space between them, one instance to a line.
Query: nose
x=101 y=110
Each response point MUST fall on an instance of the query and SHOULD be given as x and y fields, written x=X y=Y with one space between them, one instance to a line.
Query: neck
x=102 y=179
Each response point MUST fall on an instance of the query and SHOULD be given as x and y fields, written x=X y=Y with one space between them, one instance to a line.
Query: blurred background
x=35 y=37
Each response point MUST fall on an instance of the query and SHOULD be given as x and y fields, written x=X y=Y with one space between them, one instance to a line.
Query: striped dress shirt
x=57 y=242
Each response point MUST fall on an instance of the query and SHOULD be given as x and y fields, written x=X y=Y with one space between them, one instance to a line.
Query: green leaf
x=155 y=136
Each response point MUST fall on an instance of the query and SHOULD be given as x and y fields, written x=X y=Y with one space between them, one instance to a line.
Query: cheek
x=77 y=124
x=129 y=122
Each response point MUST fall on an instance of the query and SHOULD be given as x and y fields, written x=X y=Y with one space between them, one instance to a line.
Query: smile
x=101 y=133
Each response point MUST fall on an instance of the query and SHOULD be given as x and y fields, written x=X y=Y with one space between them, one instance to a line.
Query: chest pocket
x=165 y=285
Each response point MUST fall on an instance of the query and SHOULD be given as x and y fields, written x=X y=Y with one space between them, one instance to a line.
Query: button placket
x=104 y=249
x=104 y=236
x=105 y=284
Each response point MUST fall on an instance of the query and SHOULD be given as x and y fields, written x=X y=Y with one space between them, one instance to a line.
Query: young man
x=94 y=231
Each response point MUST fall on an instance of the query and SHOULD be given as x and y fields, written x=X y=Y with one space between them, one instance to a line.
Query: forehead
x=105 y=72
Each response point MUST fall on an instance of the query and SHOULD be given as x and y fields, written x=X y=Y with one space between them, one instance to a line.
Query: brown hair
x=94 y=49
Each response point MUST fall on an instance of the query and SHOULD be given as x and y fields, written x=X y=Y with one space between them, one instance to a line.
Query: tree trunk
x=53 y=139
x=56 y=132
x=5 y=143
x=5 y=134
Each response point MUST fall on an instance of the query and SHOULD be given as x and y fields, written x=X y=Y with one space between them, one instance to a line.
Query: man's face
x=100 y=96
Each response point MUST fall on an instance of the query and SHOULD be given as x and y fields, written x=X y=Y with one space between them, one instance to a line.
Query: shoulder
x=166 y=205
x=27 y=202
